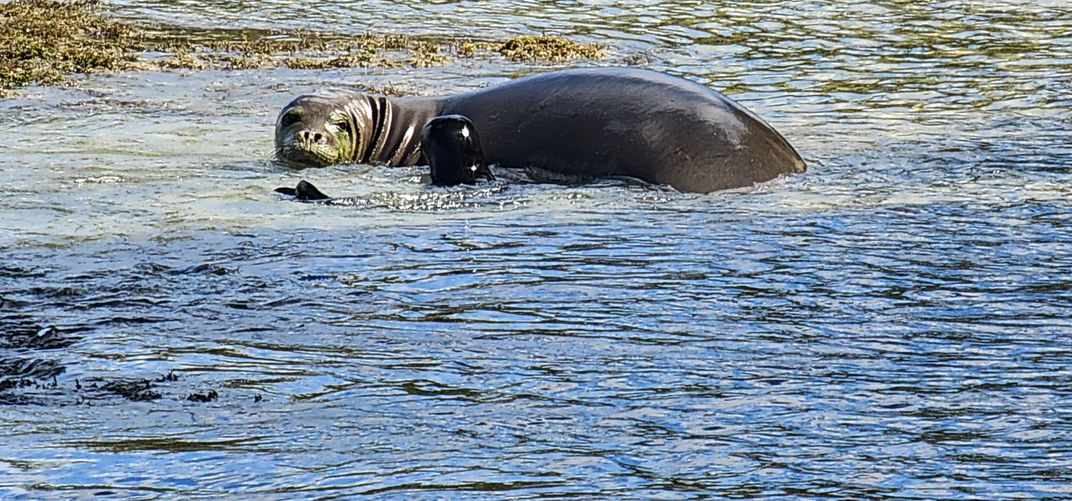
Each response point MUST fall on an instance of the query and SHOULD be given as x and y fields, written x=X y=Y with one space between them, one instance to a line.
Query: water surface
x=892 y=324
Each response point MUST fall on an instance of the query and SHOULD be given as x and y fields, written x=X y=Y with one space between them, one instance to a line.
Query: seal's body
x=586 y=122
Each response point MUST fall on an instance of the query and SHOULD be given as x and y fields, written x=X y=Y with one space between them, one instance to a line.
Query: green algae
x=547 y=48
x=47 y=41
x=44 y=41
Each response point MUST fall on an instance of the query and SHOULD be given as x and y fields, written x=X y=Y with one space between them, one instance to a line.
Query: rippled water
x=893 y=324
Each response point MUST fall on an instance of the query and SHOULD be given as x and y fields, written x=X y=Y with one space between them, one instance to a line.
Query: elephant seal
x=593 y=122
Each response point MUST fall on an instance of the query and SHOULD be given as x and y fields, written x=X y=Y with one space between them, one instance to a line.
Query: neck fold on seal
x=390 y=128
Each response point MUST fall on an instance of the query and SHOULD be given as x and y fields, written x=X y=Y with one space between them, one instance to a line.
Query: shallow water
x=893 y=324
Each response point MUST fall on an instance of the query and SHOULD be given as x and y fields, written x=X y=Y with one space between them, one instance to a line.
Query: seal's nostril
x=303 y=135
x=318 y=137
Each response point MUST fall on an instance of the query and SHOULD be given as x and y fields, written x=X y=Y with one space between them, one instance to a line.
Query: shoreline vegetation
x=47 y=41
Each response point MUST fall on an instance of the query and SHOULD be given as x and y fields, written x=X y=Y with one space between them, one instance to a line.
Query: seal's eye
x=290 y=118
x=344 y=127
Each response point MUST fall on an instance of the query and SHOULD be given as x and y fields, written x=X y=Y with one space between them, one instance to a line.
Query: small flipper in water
x=305 y=191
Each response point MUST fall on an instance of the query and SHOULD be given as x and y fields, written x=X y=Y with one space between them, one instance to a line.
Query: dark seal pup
x=584 y=122
x=452 y=149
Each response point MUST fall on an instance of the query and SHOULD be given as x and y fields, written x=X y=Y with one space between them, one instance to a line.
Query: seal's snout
x=307 y=133
x=309 y=137
x=307 y=146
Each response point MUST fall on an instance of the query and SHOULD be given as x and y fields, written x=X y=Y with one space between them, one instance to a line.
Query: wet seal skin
x=452 y=149
x=305 y=191
x=596 y=122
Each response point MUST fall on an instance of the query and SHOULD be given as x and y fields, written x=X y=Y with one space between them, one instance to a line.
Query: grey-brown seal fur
x=586 y=122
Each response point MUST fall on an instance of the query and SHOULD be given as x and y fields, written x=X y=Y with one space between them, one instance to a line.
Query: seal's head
x=316 y=130
x=452 y=148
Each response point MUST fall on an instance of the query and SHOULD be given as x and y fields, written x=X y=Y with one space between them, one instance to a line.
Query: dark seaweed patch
x=26 y=374
x=27 y=356
x=29 y=363
x=17 y=331
x=207 y=396
x=137 y=390
x=204 y=269
x=132 y=389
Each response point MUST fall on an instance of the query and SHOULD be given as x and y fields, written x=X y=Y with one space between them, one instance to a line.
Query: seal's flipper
x=304 y=192
x=452 y=148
